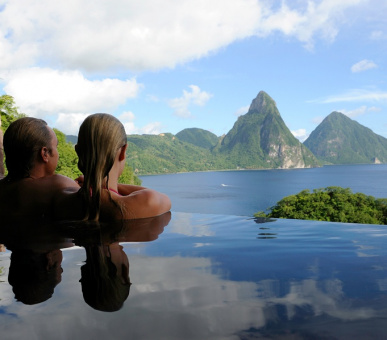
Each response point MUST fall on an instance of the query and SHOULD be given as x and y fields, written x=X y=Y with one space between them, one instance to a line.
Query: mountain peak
x=260 y=139
x=263 y=102
x=337 y=114
x=340 y=140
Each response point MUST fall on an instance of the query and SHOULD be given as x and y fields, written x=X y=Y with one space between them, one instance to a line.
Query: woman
x=101 y=149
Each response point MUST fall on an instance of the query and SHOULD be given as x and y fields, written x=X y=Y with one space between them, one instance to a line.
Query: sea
x=245 y=192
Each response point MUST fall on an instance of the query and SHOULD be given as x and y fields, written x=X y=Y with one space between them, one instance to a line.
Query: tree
x=128 y=176
x=333 y=204
x=68 y=159
x=9 y=113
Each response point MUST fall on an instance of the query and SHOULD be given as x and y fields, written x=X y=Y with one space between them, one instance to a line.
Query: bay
x=245 y=192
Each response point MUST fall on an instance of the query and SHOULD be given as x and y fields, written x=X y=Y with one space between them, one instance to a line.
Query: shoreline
x=262 y=169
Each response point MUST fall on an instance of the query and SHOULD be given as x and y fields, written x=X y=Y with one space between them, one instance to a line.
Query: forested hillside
x=199 y=137
x=258 y=140
x=165 y=153
x=341 y=140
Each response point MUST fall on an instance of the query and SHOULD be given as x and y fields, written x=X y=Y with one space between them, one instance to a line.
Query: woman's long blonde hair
x=100 y=137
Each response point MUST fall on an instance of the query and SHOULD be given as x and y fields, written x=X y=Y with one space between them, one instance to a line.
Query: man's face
x=53 y=155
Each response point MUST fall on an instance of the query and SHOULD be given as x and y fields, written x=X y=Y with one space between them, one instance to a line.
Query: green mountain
x=164 y=153
x=72 y=139
x=340 y=140
x=260 y=139
x=199 y=137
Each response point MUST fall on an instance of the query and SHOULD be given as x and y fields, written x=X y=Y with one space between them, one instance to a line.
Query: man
x=31 y=186
x=1 y=153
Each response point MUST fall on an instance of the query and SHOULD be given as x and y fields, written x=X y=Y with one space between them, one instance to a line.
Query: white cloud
x=69 y=123
x=300 y=134
x=152 y=98
x=242 y=110
x=317 y=120
x=181 y=104
x=50 y=46
x=182 y=224
x=359 y=111
x=378 y=35
x=356 y=112
x=127 y=119
x=98 y=34
x=104 y=35
x=44 y=91
x=316 y=19
x=355 y=95
x=363 y=65
x=151 y=128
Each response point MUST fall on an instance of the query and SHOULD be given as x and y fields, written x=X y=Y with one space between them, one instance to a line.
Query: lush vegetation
x=332 y=204
x=199 y=137
x=341 y=140
x=164 y=153
x=8 y=111
x=68 y=159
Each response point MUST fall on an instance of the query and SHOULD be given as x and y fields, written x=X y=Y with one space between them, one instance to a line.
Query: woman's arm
x=127 y=189
x=144 y=203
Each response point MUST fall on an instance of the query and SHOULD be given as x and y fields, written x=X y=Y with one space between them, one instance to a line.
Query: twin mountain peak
x=259 y=139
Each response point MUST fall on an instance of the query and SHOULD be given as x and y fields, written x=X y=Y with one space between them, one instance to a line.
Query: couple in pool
x=33 y=190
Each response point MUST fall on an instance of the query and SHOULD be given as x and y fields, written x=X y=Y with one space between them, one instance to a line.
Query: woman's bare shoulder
x=143 y=203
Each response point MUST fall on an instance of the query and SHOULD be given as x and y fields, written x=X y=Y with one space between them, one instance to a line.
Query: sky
x=163 y=66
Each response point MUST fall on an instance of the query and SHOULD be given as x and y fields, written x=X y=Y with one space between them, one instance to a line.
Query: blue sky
x=165 y=66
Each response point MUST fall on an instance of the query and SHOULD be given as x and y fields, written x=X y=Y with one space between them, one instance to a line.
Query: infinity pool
x=195 y=276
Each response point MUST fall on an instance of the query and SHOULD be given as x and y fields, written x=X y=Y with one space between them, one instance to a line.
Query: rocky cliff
x=260 y=139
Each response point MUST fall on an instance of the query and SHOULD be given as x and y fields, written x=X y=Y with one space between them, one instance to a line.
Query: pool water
x=195 y=276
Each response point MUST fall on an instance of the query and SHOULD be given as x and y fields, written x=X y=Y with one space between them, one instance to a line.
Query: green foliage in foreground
x=332 y=204
x=68 y=159
x=8 y=111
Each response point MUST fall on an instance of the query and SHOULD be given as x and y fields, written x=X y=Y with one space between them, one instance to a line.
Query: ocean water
x=243 y=193
x=195 y=277
x=207 y=275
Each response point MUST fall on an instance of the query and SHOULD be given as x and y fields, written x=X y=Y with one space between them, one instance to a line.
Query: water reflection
x=36 y=256
x=105 y=277
x=35 y=269
x=34 y=275
x=309 y=283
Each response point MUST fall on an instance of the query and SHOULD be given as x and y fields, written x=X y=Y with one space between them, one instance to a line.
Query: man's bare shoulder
x=58 y=181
